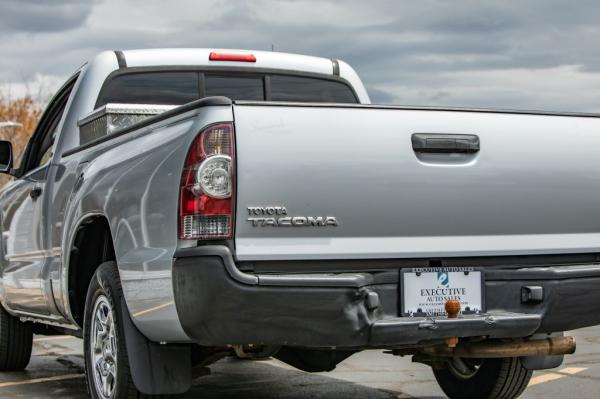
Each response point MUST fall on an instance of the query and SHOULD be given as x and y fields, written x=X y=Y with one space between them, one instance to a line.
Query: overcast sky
x=539 y=54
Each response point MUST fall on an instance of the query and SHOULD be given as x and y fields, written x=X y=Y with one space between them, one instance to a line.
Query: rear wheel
x=106 y=363
x=483 y=378
x=16 y=339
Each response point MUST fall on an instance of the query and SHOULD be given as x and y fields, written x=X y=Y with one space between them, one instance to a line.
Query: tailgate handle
x=445 y=143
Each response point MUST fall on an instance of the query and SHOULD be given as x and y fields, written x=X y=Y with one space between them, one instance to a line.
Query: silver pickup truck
x=175 y=207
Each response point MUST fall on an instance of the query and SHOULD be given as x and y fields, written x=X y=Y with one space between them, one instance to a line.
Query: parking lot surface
x=56 y=370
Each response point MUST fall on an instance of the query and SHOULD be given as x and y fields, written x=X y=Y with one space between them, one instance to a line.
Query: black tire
x=493 y=379
x=16 y=339
x=106 y=284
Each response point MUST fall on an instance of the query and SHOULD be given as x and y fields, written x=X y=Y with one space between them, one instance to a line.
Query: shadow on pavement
x=230 y=378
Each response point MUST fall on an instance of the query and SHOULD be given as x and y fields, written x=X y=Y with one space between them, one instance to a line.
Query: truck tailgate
x=532 y=188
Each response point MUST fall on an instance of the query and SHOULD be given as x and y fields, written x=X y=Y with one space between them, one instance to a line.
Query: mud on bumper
x=219 y=305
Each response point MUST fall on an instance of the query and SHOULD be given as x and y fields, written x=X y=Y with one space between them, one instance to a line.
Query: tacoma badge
x=277 y=216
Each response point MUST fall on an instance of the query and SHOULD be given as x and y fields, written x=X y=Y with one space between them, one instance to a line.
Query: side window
x=40 y=146
x=45 y=153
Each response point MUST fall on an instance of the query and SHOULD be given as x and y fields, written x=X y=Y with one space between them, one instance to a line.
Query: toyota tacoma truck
x=178 y=206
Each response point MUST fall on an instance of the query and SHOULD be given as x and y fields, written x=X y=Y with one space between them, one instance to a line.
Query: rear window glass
x=170 y=88
x=177 y=88
x=235 y=87
x=301 y=89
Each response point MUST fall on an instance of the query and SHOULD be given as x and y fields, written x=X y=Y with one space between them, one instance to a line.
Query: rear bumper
x=219 y=305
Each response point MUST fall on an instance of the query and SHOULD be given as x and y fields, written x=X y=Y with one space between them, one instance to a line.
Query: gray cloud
x=534 y=54
x=35 y=16
x=379 y=96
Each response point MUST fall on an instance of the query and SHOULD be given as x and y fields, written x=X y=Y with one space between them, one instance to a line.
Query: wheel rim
x=103 y=348
x=464 y=368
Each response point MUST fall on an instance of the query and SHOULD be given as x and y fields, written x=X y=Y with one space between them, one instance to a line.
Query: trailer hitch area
x=452 y=308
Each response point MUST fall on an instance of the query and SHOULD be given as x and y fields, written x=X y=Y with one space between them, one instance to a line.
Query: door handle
x=35 y=192
x=445 y=143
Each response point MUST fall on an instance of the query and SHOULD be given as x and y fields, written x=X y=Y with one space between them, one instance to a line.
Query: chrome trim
x=113 y=117
x=56 y=251
x=124 y=109
x=103 y=349
x=36 y=318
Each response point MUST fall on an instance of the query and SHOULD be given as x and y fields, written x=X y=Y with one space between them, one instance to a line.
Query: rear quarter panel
x=134 y=182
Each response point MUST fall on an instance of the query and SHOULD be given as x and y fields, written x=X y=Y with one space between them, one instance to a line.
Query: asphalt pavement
x=56 y=371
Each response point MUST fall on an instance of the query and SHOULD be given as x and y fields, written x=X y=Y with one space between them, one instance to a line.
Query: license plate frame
x=428 y=272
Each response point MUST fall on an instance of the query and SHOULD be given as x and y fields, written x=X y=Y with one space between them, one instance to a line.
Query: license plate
x=425 y=291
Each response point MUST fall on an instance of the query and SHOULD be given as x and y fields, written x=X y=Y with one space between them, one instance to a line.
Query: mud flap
x=543 y=362
x=156 y=369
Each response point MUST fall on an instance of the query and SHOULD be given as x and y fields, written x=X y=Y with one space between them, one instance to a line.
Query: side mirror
x=6 y=161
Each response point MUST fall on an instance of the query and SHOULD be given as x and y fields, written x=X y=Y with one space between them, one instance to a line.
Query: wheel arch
x=91 y=245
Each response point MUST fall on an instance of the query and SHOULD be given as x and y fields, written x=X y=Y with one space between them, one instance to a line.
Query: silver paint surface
x=24 y=247
x=133 y=181
x=533 y=188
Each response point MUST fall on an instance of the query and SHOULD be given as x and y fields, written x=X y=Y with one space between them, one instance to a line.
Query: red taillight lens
x=231 y=57
x=207 y=186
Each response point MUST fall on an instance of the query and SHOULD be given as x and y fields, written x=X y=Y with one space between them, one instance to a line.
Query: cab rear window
x=177 y=88
x=301 y=89
x=235 y=87
x=169 y=88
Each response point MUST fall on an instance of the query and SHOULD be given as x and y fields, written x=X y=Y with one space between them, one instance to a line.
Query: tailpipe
x=499 y=349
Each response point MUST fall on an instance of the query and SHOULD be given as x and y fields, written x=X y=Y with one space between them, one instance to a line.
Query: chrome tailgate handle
x=445 y=143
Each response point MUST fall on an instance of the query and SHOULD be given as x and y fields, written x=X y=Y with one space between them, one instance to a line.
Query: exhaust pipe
x=495 y=349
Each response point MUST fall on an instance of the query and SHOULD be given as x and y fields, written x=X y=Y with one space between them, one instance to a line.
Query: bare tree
x=25 y=112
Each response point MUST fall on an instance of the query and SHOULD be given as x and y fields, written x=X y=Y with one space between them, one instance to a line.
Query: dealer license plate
x=425 y=291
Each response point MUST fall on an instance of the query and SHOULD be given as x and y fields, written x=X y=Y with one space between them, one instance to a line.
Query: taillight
x=207 y=186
